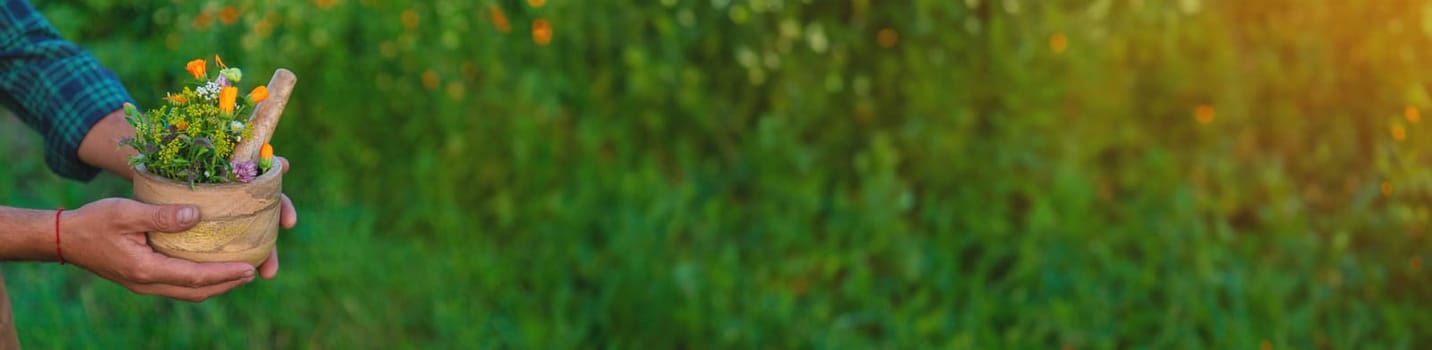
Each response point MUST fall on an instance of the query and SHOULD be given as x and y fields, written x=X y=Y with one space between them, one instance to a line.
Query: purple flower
x=246 y=170
x=223 y=81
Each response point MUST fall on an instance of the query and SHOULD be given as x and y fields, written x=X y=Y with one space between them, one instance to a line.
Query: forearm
x=27 y=235
x=101 y=149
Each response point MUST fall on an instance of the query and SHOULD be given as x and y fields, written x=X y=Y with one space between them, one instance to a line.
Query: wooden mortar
x=237 y=221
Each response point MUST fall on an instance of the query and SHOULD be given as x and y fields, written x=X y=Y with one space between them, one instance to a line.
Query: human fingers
x=183 y=273
x=189 y=294
x=283 y=161
x=288 y=216
x=133 y=216
x=269 y=269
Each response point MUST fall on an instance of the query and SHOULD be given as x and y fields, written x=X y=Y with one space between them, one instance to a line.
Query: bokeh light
x=541 y=31
x=888 y=37
x=1203 y=114
x=1058 y=43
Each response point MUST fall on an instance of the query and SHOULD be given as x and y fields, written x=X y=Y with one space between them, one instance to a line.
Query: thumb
x=161 y=218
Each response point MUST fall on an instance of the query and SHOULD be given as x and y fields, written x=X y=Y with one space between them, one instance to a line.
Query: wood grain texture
x=238 y=221
x=266 y=115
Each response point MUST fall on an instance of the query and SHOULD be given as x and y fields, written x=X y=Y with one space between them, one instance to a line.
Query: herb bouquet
x=202 y=148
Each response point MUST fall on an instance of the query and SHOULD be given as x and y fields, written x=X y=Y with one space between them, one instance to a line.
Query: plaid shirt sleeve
x=54 y=86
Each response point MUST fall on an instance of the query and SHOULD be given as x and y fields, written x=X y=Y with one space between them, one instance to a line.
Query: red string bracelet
x=58 y=252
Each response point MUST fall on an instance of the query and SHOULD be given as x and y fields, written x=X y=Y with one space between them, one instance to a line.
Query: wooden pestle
x=266 y=115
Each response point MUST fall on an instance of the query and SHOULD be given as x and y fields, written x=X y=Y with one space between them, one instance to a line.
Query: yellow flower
x=226 y=99
x=196 y=68
x=169 y=151
x=258 y=94
x=410 y=19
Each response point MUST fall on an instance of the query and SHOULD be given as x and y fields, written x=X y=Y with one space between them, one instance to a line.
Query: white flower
x=236 y=126
x=210 y=90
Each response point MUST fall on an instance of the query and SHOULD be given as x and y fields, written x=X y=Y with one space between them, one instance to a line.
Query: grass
x=740 y=174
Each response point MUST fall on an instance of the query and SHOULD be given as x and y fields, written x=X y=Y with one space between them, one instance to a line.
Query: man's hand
x=107 y=238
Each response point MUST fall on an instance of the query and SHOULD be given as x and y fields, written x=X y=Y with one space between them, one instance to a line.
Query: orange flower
x=430 y=79
x=1203 y=114
x=541 y=31
x=266 y=157
x=410 y=19
x=181 y=125
x=1058 y=42
x=226 y=99
x=203 y=20
x=229 y=15
x=887 y=38
x=176 y=99
x=258 y=94
x=219 y=61
x=499 y=20
x=196 y=68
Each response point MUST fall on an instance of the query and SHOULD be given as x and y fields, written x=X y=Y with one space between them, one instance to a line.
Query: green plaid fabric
x=54 y=86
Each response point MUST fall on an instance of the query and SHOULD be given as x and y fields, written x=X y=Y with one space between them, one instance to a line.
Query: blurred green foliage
x=786 y=173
